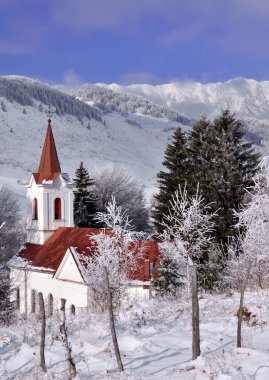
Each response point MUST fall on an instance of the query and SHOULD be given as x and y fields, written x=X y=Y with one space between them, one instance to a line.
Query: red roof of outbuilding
x=49 y=166
x=50 y=254
x=151 y=255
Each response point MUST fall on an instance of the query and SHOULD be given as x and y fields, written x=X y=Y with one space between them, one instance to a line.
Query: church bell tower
x=50 y=195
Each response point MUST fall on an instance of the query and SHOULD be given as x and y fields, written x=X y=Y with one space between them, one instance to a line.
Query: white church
x=49 y=262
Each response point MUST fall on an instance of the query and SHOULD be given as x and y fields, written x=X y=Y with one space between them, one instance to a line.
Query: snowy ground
x=155 y=341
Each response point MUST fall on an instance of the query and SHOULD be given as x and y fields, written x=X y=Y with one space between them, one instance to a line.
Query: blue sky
x=134 y=41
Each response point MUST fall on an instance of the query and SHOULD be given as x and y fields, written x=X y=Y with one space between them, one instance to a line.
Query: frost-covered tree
x=248 y=258
x=108 y=269
x=188 y=227
x=11 y=238
x=85 y=199
x=116 y=181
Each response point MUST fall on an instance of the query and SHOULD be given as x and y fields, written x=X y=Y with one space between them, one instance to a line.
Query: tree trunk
x=111 y=320
x=70 y=363
x=43 y=332
x=241 y=304
x=196 y=351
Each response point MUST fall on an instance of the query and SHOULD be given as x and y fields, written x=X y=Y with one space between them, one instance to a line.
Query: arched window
x=50 y=305
x=35 y=209
x=57 y=208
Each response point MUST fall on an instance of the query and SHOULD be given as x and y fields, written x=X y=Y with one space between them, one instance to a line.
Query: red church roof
x=49 y=166
x=50 y=254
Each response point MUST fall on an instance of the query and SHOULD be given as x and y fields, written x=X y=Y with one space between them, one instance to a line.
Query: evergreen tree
x=85 y=200
x=169 y=277
x=216 y=156
x=11 y=239
x=176 y=162
x=223 y=163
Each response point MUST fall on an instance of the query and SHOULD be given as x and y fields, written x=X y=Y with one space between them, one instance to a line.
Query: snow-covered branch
x=189 y=224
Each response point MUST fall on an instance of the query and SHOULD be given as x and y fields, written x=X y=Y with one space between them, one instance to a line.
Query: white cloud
x=71 y=78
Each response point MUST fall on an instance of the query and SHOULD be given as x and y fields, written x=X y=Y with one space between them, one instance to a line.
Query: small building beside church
x=49 y=262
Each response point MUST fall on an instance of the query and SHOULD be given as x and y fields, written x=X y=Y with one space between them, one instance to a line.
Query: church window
x=57 y=209
x=35 y=213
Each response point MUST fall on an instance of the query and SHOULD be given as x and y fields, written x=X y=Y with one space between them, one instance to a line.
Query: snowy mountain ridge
x=103 y=124
x=246 y=97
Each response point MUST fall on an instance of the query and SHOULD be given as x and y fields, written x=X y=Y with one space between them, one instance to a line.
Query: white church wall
x=68 y=269
x=74 y=293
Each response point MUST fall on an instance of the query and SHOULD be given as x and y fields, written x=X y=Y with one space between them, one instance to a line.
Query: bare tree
x=11 y=238
x=248 y=259
x=107 y=270
x=112 y=321
x=117 y=182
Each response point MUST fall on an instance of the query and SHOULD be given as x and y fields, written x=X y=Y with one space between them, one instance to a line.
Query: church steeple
x=50 y=195
x=49 y=166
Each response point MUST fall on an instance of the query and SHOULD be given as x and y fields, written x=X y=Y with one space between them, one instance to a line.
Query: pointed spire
x=49 y=166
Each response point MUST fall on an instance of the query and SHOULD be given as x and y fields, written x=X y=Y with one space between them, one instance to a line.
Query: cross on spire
x=49 y=113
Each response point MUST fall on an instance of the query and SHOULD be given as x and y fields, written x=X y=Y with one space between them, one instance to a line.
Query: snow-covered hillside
x=102 y=124
x=82 y=132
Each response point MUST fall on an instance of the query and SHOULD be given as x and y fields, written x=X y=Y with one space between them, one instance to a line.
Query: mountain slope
x=83 y=132
x=103 y=124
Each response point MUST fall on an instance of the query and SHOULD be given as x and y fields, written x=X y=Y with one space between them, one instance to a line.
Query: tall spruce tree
x=223 y=163
x=176 y=161
x=85 y=200
x=216 y=155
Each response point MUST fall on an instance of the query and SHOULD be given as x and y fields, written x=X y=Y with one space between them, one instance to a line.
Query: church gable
x=69 y=269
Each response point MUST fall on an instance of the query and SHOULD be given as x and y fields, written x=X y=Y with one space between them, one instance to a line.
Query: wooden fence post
x=43 y=331
x=196 y=351
x=70 y=362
